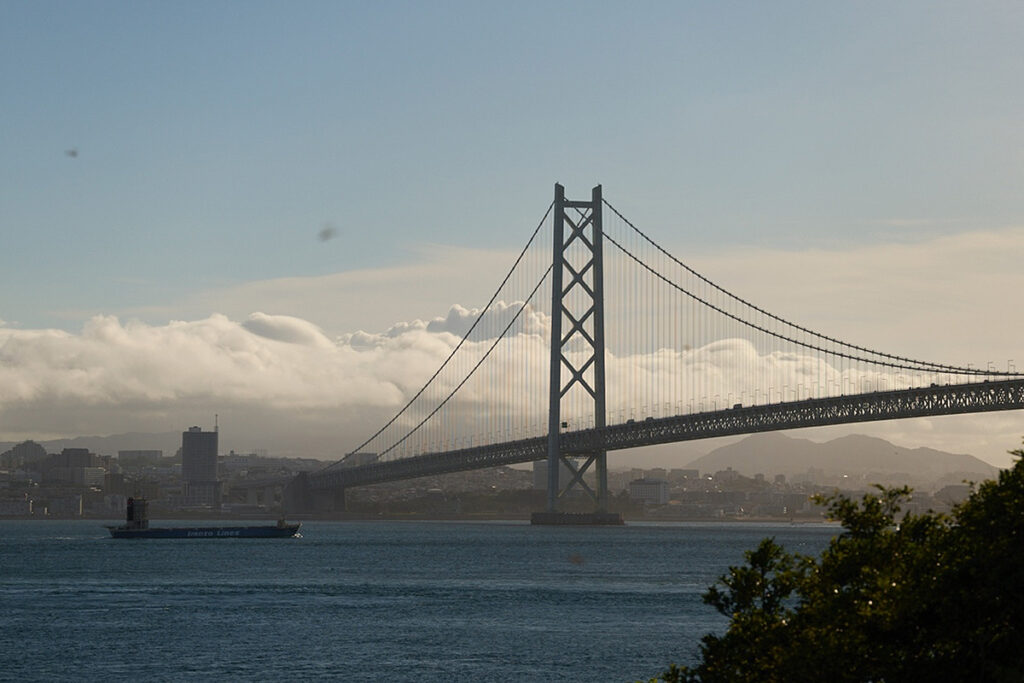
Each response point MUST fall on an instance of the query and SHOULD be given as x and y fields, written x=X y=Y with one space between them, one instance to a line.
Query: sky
x=202 y=204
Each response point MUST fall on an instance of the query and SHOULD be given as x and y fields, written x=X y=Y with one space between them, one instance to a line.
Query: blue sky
x=215 y=140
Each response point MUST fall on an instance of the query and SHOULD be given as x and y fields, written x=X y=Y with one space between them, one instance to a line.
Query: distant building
x=114 y=484
x=652 y=491
x=79 y=476
x=198 y=455
x=24 y=452
x=115 y=504
x=65 y=506
x=75 y=457
x=88 y=476
x=726 y=476
x=150 y=456
x=199 y=467
x=19 y=506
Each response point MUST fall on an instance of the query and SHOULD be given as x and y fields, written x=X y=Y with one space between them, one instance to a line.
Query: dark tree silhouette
x=925 y=597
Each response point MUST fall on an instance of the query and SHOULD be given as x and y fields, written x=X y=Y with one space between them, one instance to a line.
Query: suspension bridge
x=599 y=339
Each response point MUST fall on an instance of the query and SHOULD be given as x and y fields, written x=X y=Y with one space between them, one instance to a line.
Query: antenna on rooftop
x=215 y=427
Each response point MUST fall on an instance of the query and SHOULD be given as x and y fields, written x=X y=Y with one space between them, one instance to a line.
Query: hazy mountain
x=168 y=442
x=862 y=459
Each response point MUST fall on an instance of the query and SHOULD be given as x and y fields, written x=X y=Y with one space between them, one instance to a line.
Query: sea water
x=368 y=601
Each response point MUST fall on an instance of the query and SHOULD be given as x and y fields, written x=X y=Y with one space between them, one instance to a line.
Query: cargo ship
x=137 y=526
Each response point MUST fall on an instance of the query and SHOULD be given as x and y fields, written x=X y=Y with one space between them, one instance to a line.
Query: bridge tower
x=577 y=323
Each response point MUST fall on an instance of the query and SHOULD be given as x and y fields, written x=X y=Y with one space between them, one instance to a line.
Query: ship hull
x=208 y=532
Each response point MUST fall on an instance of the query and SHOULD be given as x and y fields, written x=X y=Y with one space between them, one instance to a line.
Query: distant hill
x=168 y=442
x=862 y=459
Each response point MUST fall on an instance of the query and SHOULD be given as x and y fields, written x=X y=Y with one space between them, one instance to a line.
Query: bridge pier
x=576 y=519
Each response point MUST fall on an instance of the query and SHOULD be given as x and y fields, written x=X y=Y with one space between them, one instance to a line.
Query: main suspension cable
x=917 y=364
x=462 y=341
x=806 y=345
x=474 y=368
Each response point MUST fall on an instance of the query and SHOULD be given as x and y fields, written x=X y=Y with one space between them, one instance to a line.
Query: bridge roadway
x=948 y=399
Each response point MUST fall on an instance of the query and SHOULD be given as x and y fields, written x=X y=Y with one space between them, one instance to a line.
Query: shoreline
x=426 y=517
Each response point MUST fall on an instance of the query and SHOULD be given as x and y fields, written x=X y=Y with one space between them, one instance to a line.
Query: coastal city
x=198 y=481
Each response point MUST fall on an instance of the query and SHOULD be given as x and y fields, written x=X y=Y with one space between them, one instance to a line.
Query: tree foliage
x=920 y=597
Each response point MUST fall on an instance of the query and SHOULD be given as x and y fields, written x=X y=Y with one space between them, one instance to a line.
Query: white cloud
x=115 y=377
x=501 y=316
x=949 y=299
x=124 y=364
x=287 y=329
x=281 y=381
x=368 y=299
x=268 y=372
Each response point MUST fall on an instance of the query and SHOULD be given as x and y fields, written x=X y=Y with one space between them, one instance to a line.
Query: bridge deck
x=950 y=399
